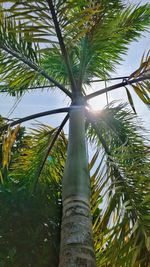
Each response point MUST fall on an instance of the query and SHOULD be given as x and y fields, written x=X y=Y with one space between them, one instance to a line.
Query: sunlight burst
x=97 y=103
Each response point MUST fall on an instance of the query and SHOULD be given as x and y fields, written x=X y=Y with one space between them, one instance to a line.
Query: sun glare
x=97 y=103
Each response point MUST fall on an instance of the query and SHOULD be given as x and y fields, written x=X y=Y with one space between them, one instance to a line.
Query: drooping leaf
x=7 y=146
x=130 y=100
x=142 y=88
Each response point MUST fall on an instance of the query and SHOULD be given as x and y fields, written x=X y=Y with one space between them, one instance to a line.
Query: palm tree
x=66 y=44
x=30 y=210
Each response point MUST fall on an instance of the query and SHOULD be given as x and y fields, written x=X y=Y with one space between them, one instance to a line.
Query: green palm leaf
x=99 y=47
x=142 y=89
x=106 y=29
x=30 y=219
x=14 y=73
x=68 y=43
x=31 y=166
x=20 y=58
x=122 y=228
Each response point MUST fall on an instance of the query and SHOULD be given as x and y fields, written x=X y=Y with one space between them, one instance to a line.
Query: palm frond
x=97 y=47
x=78 y=18
x=13 y=72
x=123 y=224
x=106 y=30
x=20 y=59
x=142 y=89
x=8 y=140
x=29 y=166
x=95 y=34
x=111 y=36
x=34 y=20
x=30 y=220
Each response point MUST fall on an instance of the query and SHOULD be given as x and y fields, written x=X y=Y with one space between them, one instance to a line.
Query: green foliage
x=31 y=167
x=30 y=200
x=142 y=89
x=122 y=227
x=18 y=56
x=95 y=35
x=30 y=225
x=30 y=216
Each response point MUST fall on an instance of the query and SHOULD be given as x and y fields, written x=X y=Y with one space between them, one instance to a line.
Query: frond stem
x=36 y=68
x=115 y=86
x=50 y=146
x=110 y=79
x=47 y=86
x=36 y=115
x=62 y=45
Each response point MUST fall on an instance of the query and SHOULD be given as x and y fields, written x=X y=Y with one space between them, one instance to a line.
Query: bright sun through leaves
x=97 y=103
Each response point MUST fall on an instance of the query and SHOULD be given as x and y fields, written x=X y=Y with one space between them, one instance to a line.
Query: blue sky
x=38 y=101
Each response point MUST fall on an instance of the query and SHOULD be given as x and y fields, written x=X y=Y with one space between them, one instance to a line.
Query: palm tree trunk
x=76 y=233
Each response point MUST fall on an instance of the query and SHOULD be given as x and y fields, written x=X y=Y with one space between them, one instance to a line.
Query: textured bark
x=76 y=237
x=76 y=230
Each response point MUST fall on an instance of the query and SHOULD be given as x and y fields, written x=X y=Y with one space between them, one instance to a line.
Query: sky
x=37 y=101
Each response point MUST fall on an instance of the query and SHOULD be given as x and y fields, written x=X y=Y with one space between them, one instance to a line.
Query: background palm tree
x=67 y=44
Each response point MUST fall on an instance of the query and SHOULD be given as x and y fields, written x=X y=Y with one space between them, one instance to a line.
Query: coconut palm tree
x=66 y=44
